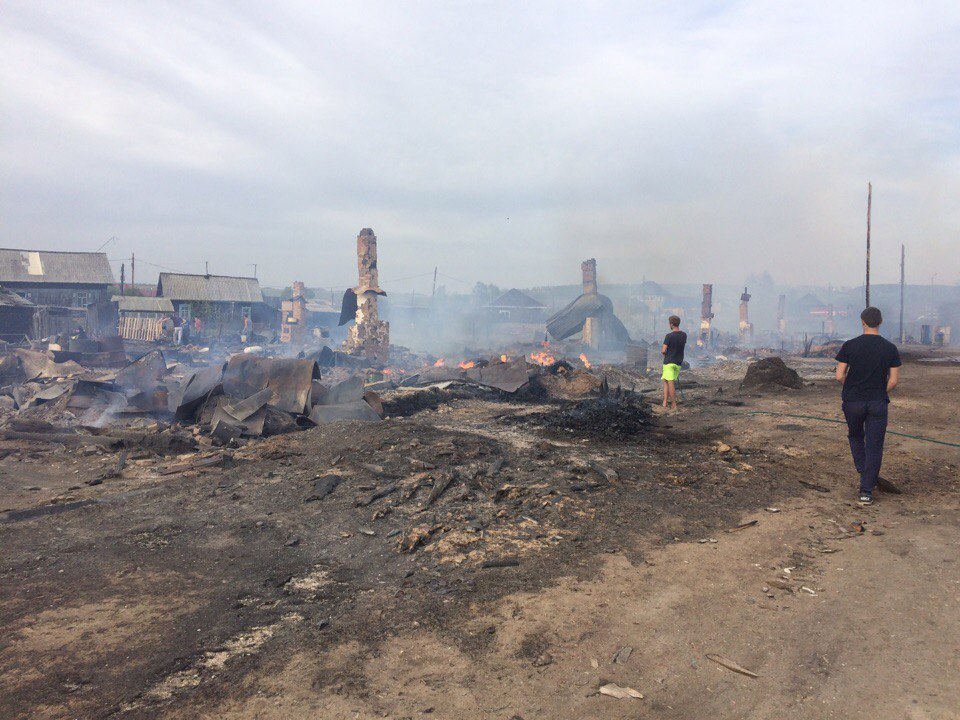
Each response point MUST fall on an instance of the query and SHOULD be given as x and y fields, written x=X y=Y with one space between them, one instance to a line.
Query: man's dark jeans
x=867 y=426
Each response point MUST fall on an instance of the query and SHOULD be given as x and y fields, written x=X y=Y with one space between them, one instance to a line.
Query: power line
x=450 y=277
x=147 y=262
x=109 y=240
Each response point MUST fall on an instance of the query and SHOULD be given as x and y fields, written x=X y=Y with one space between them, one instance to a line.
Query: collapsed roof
x=571 y=319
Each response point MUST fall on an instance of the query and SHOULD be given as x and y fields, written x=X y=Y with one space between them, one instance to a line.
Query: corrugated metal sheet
x=571 y=319
x=209 y=288
x=54 y=268
x=127 y=303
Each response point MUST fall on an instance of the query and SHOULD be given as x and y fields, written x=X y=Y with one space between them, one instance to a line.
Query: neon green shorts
x=671 y=371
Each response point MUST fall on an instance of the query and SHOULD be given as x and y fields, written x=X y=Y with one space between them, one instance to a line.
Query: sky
x=501 y=142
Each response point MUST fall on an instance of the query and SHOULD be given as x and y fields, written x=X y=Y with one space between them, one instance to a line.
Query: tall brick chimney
x=369 y=336
x=367 y=260
x=589 y=270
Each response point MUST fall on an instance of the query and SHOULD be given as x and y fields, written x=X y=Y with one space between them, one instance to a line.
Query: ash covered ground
x=487 y=554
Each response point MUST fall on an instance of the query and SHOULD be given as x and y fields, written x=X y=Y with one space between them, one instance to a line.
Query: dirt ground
x=551 y=564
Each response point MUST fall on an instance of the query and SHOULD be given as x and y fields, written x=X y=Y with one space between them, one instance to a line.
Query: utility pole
x=133 y=272
x=869 y=203
x=206 y=268
x=122 y=268
x=254 y=270
x=902 y=257
x=433 y=293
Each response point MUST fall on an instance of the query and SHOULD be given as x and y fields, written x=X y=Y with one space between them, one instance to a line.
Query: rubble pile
x=457 y=499
x=616 y=416
x=247 y=396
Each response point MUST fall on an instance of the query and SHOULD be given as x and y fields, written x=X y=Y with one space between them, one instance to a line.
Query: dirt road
x=227 y=593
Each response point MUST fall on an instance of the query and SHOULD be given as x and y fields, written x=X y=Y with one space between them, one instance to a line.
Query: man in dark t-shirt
x=868 y=367
x=672 y=351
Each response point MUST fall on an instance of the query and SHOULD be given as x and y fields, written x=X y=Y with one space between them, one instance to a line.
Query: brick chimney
x=589 y=270
x=367 y=260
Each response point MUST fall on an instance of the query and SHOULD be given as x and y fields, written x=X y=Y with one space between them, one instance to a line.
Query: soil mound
x=770 y=373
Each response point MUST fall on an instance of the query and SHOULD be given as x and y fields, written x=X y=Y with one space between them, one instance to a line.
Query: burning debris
x=370 y=336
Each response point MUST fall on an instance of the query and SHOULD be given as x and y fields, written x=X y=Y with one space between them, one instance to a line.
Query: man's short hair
x=674 y=320
x=872 y=317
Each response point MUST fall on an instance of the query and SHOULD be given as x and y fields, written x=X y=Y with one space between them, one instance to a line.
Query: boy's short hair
x=674 y=320
x=872 y=317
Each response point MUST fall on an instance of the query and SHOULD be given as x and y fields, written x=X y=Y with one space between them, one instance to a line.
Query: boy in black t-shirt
x=672 y=351
x=868 y=367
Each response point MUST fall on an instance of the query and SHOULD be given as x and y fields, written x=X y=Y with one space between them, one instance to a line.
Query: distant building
x=221 y=302
x=56 y=279
x=518 y=307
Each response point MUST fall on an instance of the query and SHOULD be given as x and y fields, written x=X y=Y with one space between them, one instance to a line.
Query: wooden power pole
x=869 y=203
x=902 y=257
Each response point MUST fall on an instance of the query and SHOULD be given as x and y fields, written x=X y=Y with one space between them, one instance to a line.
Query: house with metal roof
x=53 y=278
x=220 y=301
x=516 y=306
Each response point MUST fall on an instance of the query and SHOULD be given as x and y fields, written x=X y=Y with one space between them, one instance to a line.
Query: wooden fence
x=140 y=328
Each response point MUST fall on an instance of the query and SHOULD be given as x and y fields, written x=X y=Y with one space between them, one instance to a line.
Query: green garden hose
x=843 y=422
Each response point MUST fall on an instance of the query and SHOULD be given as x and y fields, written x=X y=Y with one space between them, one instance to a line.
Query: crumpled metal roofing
x=44 y=267
x=209 y=288
x=289 y=380
x=570 y=320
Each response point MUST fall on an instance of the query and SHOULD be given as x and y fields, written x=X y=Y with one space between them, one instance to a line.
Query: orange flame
x=504 y=358
x=387 y=371
x=465 y=365
x=439 y=363
x=583 y=359
x=542 y=358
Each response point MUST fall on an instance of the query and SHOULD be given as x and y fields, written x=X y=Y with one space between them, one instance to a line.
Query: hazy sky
x=503 y=142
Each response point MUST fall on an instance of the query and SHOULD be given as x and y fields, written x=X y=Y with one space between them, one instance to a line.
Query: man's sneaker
x=866 y=499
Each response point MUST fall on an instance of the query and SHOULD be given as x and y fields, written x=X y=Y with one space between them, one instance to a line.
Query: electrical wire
x=843 y=422
x=450 y=277
x=147 y=262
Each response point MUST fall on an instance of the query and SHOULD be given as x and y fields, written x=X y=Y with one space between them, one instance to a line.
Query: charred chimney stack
x=746 y=327
x=706 y=315
x=369 y=336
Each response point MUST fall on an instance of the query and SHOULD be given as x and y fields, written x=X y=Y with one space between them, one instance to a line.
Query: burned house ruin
x=706 y=316
x=591 y=314
x=293 y=322
x=746 y=327
x=369 y=337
